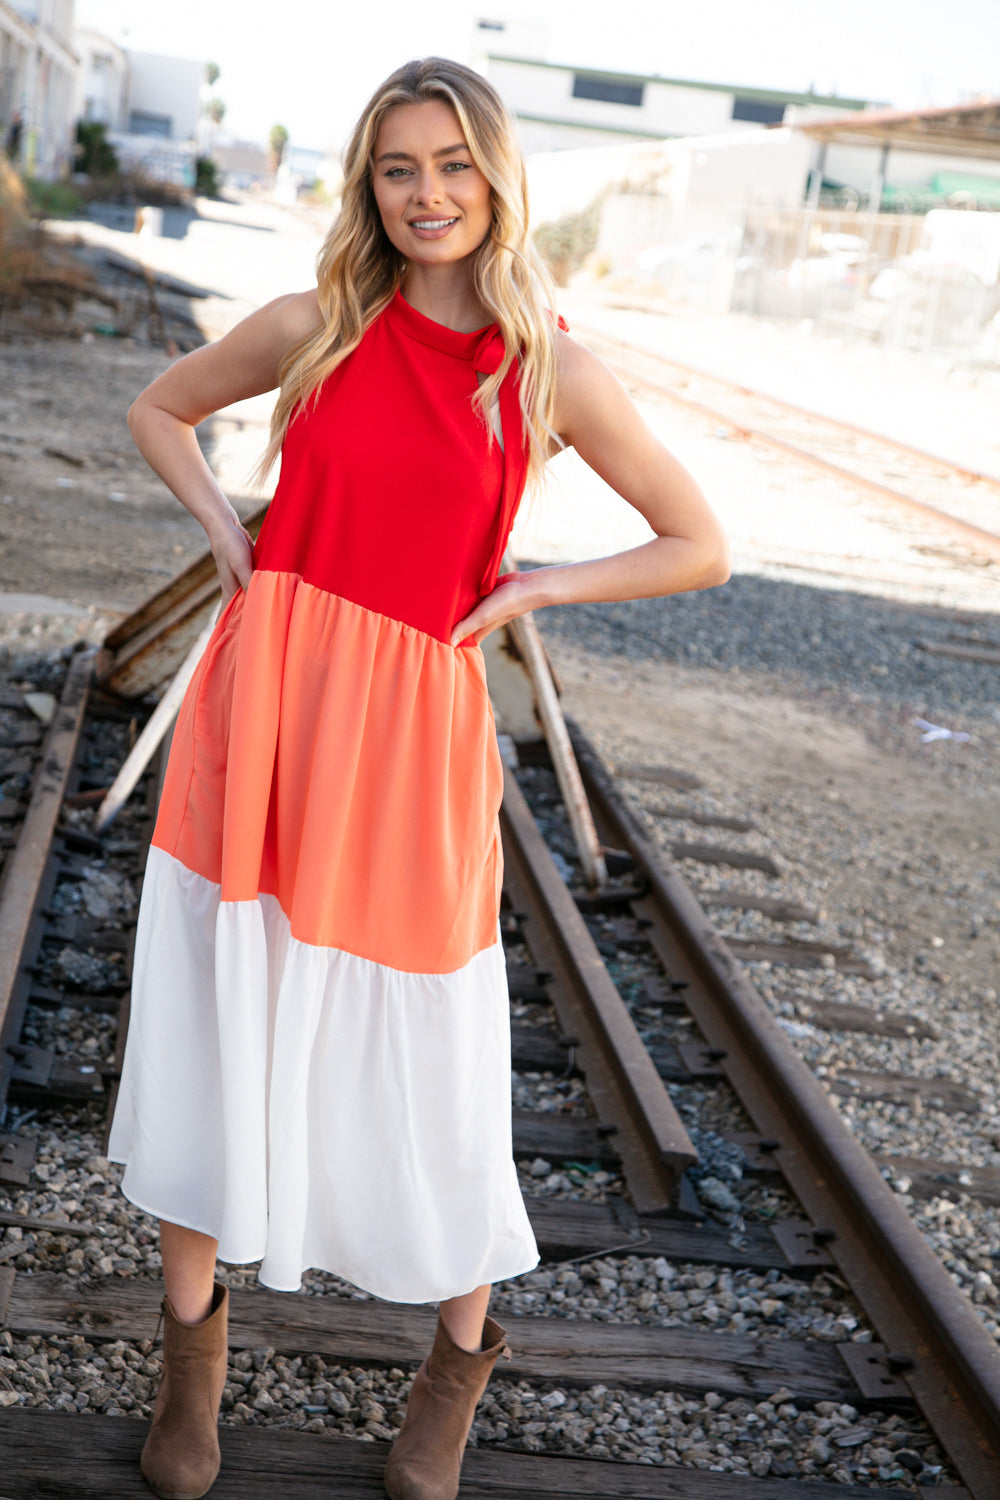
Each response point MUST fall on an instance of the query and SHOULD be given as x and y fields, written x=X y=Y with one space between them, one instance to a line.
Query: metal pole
x=878 y=181
x=818 y=172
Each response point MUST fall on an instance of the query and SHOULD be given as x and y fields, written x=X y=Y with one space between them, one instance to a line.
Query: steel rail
x=937 y=1344
x=977 y=538
x=627 y=1092
x=26 y=867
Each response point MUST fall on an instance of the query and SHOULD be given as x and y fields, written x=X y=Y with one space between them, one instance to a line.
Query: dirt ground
x=896 y=846
x=84 y=523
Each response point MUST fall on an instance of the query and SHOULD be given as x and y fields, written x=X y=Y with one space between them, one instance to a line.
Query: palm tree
x=279 y=141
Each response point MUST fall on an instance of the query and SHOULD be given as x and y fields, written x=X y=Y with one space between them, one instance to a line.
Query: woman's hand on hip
x=232 y=548
x=514 y=594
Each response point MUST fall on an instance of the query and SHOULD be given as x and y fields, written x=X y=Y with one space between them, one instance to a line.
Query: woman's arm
x=163 y=417
x=595 y=416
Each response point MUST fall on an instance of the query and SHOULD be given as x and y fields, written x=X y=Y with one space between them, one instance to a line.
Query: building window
x=610 y=90
x=757 y=111
x=141 y=123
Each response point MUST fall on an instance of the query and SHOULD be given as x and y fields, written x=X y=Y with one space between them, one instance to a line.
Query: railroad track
x=962 y=503
x=920 y=1364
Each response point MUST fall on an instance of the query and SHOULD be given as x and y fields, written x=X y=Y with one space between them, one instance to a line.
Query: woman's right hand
x=232 y=548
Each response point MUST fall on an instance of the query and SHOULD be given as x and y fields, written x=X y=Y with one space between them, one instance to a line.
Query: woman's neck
x=446 y=295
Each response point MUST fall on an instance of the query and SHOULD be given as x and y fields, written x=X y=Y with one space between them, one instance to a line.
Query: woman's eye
x=458 y=166
x=397 y=171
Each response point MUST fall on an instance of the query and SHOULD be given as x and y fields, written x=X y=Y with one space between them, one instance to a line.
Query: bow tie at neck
x=489 y=352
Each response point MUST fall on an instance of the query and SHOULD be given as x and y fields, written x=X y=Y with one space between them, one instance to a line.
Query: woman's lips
x=431 y=229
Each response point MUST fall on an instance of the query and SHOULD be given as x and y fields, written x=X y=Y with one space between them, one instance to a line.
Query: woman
x=318 y=1069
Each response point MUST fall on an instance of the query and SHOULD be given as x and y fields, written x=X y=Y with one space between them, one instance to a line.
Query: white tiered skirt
x=308 y=1108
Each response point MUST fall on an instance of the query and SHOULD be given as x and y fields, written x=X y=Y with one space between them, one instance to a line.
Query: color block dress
x=318 y=1060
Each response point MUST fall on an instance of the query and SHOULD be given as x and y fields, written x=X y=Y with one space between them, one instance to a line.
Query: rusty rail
x=624 y=1086
x=23 y=876
x=937 y=1344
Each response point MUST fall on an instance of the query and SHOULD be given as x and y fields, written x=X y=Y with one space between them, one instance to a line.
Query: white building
x=38 y=68
x=102 y=82
x=164 y=96
x=560 y=107
x=150 y=105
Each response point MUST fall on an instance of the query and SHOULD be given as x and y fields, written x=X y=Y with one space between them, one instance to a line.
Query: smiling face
x=434 y=201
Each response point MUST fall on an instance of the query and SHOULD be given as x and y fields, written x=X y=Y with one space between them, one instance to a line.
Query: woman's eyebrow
x=406 y=156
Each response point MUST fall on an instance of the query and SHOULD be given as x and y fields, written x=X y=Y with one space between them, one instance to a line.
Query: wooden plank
x=7 y=1278
x=717 y=854
x=48 y=998
x=158 y=607
x=930 y=1178
x=55 y=1456
x=659 y=775
x=537 y=1049
x=146 y=648
x=988 y=656
x=561 y=1350
x=656 y=990
x=566 y=1228
x=147 y=663
x=560 y=1138
x=804 y=954
x=17 y=1153
x=771 y=906
x=527 y=984
x=523 y=630
x=677 y=812
x=904 y=1088
x=840 y=1015
x=48 y=1226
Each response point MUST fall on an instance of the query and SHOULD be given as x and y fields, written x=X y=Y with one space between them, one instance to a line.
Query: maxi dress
x=317 y=1071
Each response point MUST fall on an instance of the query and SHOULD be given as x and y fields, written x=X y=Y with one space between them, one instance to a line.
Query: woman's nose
x=428 y=188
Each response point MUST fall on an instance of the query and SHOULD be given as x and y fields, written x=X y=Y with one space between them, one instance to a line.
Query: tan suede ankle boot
x=181 y=1456
x=426 y=1457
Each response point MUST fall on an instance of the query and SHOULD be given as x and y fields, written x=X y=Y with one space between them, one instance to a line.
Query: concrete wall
x=168 y=88
x=728 y=171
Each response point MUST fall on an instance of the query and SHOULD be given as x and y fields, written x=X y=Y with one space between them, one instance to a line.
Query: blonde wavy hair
x=359 y=269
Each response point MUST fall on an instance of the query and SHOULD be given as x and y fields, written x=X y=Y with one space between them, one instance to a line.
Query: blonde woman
x=318 y=1065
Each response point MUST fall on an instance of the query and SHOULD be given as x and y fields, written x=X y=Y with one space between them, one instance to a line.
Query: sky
x=306 y=66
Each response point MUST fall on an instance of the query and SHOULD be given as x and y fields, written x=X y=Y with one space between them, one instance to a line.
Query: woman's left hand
x=513 y=595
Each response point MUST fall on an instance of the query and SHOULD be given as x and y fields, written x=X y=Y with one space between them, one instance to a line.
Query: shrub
x=53 y=200
x=95 y=154
x=207 y=180
x=565 y=243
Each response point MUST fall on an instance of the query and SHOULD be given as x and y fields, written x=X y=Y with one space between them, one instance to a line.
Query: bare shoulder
x=247 y=361
x=584 y=385
x=281 y=324
x=296 y=316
